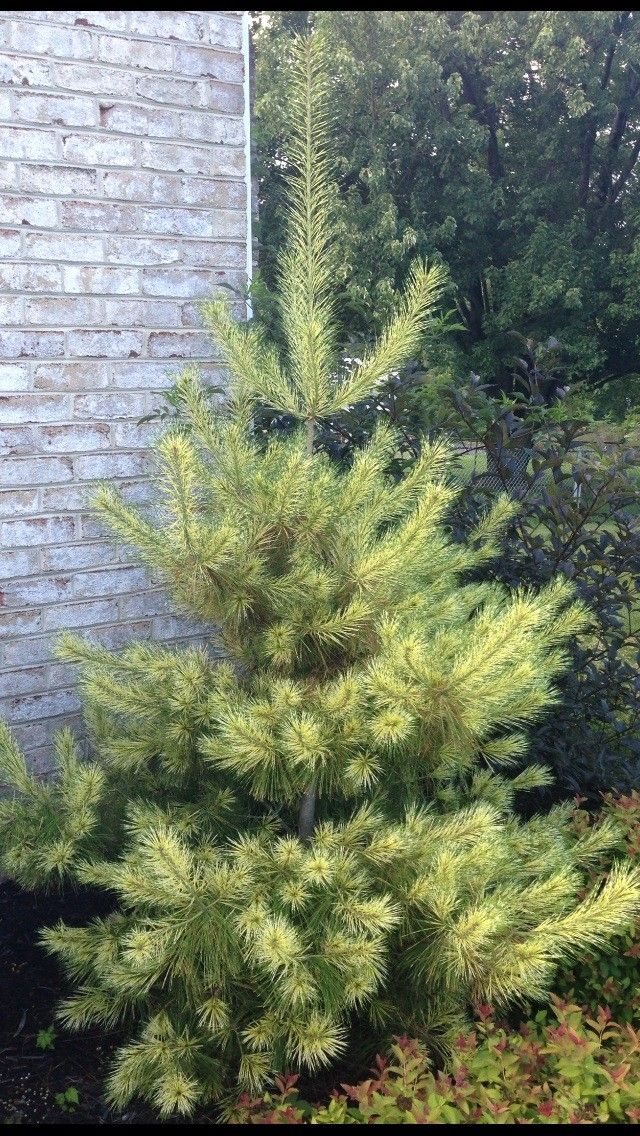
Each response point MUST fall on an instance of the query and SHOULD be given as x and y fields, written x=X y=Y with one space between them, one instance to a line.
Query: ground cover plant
x=561 y=1068
x=313 y=835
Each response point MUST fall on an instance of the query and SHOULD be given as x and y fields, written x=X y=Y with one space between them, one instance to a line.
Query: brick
x=35 y=408
x=180 y=92
x=22 y=681
x=188 y=26
x=55 y=110
x=63 y=246
x=19 y=563
x=174 y=627
x=210 y=127
x=139 y=185
x=34 y=471
x=130 y=435
x=140 y=120
x=62 y=311
x=31 y=144
x=208 y=63
x=9 y=175
x=141 y=313
x=28 y=593
x=116 y=637
x=14 y=377
x=12 y=310
x=106 y=404
x=94 y=216
x=105 y=344
x=226 y=97
x=141 y=250
x=46 y=39
x=111 y=582
x=206 y=191
x=110 y=465
x=28 y=211
x=59 y=179
x=75 y=439
x=34 y=706
x=79 y=615
x=150 y=56
x=181 y=283
x=179 y=222
x=13 y=503
x=144 y=375
x=96 y=79
x=211 y=254
x=73 y=556
x=10 y=242
x=94 y=150
x=70 y=376
x=111 y=21
x=25 y=652
x=37 y=531
x=16 y=440
x=18 y=277
x=26 y=622
x=144 y=604
x=220 y=161
x=38 y=344
x=18 y=71
x=107 y=281
x=180 y=345
x=63 y=497
x=223 y=31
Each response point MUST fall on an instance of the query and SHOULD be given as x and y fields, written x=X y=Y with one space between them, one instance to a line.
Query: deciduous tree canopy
x=505 y=143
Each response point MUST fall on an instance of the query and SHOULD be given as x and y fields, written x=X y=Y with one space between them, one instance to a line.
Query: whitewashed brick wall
x=122 y=202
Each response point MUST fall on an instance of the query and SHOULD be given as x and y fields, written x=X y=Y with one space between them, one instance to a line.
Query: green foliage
x=46 y=1038
x=69 y=1100
x=579 y=517
x=612 y=977
x=504 y=143
x=317 y=831
x=574 y=1070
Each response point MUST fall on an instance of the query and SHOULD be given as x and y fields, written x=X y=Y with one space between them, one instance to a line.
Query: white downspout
x=247 y=152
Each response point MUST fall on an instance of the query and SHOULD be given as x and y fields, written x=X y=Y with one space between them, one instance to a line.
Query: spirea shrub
x=315 y=830
x=560 y=1068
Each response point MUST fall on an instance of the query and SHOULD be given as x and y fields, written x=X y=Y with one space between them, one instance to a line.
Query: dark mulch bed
x=31 y=986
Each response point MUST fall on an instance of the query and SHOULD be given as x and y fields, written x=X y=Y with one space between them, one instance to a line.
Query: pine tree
x=315 y=830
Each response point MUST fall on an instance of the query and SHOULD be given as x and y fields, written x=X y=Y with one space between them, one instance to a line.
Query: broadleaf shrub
x=579 y=503
x=560 y=1068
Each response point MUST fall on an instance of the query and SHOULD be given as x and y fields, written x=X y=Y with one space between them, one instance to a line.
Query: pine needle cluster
x=318 y=828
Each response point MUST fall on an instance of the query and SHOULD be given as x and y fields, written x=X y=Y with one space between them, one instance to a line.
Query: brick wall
x=122 y=202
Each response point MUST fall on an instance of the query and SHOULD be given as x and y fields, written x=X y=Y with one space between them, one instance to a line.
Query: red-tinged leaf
x=545 y=1108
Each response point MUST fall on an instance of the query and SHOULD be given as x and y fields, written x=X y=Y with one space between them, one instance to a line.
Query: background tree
x=505 y=144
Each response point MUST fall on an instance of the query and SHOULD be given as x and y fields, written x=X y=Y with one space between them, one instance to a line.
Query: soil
x=31 y=986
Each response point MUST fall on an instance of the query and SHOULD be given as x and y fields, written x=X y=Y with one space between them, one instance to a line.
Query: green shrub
x=571 y=1070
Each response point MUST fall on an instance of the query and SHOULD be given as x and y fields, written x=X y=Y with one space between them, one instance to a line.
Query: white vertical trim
x=247 y=152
